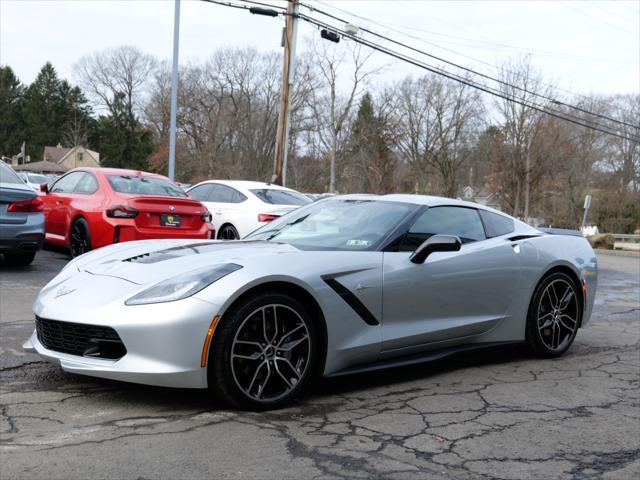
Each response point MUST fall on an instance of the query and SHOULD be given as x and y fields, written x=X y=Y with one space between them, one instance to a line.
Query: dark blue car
x=21 y=219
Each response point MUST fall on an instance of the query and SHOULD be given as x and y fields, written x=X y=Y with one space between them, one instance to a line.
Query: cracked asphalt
x=498 y=414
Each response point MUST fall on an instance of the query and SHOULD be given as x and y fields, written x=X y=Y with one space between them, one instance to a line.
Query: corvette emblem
x=63 y=291
x=172 y=208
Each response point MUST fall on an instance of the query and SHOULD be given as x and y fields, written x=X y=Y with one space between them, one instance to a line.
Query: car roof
x=427 y=200
x=115 y=171
x=245 y=184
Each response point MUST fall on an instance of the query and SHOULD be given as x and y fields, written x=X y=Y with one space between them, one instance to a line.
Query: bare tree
x=116 y=74
x=519 y=124
x=438 y=123
x=330 y=106
x=624 y=153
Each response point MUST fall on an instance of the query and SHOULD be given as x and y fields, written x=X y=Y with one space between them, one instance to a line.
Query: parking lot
x=487 y=415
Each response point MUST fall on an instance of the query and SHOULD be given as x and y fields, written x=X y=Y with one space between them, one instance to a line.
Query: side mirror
x=436 y=243
x=44 y=187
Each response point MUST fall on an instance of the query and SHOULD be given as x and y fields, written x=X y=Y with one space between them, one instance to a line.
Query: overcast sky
x=583 y=46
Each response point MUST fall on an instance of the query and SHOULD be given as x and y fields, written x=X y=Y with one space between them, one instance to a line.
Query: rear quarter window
x=280 y=197
x=496 y=225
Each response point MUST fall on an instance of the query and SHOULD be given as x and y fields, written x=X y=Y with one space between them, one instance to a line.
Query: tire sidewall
x=219 y=374
x=533 y=338
x=230 y=227
x=87 y=234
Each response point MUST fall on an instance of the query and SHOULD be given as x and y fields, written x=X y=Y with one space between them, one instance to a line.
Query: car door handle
x=360 y=287
x=516 y=247
x=218 y=212
x=59 y=202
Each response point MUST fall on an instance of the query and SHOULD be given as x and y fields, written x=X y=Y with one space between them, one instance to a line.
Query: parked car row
x=88 y=208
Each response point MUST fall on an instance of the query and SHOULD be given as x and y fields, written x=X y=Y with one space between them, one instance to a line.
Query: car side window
x=460 y=221
x=221 y=194
x=238 y=197
x=87 y=184
x=496 y=225
x=68 y=183
x=201 y=192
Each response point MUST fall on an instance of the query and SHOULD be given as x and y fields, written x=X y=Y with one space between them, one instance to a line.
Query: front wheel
x=79 y=238
x=554 y=316
x=263 y=353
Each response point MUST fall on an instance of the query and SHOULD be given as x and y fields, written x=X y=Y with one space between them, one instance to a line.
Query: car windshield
x=280 y=197
x=7 y=175
x=341 y=224
x=147 y=185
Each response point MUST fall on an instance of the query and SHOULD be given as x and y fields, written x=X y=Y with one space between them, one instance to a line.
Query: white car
x=240 y=207
x=33 y=180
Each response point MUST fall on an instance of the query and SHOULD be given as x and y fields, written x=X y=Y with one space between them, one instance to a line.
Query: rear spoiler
x=561 y=231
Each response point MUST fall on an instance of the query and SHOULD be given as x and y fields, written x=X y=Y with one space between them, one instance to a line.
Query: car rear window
x=280 y=197
x=147 y=185
x=7 y=175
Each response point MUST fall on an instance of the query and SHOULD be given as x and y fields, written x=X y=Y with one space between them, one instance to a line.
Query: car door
x=56 y=203
x=452 y=296
x=227 y=206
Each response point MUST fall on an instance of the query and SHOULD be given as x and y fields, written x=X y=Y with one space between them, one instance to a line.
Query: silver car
x=344 y=285
x=21 y=219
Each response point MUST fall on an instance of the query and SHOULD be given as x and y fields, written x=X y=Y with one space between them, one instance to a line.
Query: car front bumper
x=164 y=342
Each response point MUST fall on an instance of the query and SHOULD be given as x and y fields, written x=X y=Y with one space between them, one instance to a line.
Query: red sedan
x=92 y=207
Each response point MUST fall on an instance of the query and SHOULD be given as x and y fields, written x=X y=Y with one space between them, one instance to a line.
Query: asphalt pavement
x=498 y=414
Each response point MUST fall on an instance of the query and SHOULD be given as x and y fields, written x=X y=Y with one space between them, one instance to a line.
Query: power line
x=469 y=70
x=474 y=41
x=599 y=20
x=590 y=99
x=549 y=111
x=554 y=113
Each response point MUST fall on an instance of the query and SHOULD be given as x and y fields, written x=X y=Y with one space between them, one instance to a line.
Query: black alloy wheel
x=554 y=316
x=79 y=238
x=263 y=353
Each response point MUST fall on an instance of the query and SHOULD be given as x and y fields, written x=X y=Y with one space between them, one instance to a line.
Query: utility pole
x=288 y=71
x=174 y=92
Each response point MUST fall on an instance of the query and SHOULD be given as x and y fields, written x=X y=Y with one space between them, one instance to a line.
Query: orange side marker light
x=207 y=341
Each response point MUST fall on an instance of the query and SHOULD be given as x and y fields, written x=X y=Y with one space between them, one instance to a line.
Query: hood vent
x=183 y=251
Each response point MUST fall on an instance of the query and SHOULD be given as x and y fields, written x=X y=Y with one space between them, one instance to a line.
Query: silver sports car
x=344 y=285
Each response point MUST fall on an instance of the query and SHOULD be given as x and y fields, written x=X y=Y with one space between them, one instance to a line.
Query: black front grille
x=80 y=339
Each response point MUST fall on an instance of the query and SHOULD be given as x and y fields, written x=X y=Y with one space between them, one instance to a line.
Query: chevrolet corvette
x=344 y=285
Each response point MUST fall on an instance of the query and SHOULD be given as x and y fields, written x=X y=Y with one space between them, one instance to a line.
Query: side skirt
x=418 y=358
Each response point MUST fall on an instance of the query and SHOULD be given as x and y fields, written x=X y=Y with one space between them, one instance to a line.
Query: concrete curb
x=621 y=253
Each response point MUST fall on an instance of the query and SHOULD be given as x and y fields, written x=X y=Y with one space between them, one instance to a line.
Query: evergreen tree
x=369 y=151
x=11 y=121
x=51 y=108
x=122 y=141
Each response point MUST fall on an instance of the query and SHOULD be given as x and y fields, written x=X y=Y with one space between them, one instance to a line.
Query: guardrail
x=626 y=242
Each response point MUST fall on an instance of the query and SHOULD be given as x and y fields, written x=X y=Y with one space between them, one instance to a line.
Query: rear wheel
x=263 y=353
x=228 y=232
x=19 y=259
x=554 y=316
x=79 y=238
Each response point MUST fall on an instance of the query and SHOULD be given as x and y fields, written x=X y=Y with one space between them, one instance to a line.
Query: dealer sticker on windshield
x=358 y=243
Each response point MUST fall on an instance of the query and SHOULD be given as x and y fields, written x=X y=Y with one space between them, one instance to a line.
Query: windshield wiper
x=277 y=231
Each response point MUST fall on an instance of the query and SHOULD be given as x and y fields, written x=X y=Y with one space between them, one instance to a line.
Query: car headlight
x=182 y=286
